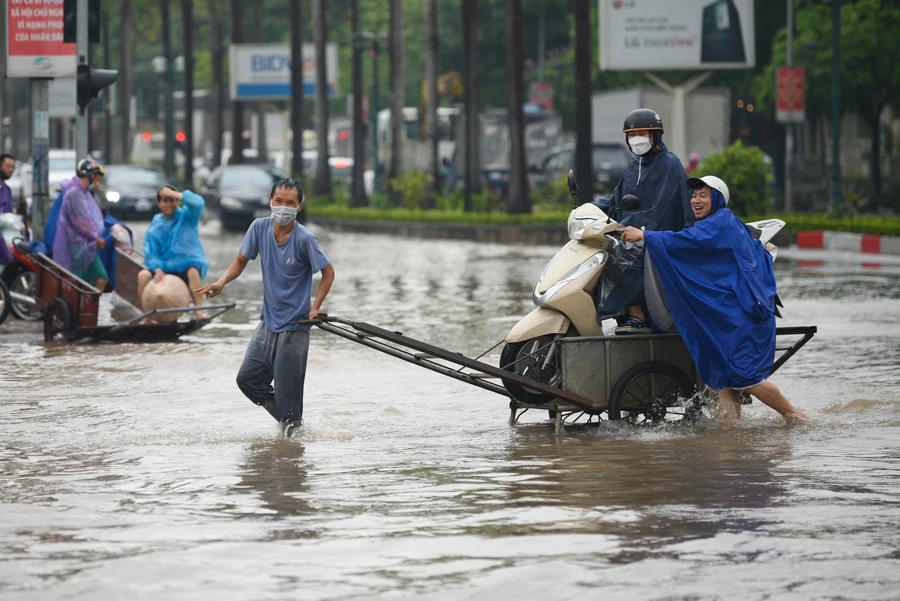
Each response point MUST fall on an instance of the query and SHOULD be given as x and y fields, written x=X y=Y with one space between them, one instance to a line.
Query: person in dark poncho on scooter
x=657 y=178
x=719 y=285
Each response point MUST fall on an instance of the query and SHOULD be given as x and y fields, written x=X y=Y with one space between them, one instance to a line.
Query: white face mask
x=640 y=145
x=284 y=215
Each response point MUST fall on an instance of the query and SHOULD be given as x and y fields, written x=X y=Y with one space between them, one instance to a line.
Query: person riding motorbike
x=658 y=179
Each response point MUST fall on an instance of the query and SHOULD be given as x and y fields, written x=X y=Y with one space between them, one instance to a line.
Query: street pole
x=40 y=145
x=837 y=197
x=83 y=50
x=789 y=127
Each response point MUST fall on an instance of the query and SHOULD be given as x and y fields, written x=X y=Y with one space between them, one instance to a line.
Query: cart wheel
x=25 y=282
x=653 y=392
x=5 y=301
x=527 y=359
x=58 y=321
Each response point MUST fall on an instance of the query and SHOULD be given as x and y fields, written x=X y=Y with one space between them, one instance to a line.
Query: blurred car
x=609 y=162
x=240 y=193
x=341 y=167
x=129 y=191
x=62 y=167
x=251 y=156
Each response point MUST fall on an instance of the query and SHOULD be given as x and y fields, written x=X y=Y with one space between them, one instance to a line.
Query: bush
x=747 y=175
x=411 y=187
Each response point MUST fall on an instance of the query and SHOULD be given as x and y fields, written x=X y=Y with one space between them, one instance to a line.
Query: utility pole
x=168 y=92
x=237 y=107
x=584 y=164
x=297 y=89
x=187 y=51
x=322 y=181
x=83 y=51
x=837 y=197
x=789 y=127
x=107 y=98
x=40 y=146
x=262 y=142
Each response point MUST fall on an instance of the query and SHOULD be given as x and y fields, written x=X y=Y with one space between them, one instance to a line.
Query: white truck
x=708 y=117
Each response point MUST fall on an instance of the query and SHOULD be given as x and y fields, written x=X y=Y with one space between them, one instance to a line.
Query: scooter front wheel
x=538 y=359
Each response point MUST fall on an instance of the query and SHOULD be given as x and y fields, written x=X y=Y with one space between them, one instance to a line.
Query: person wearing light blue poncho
x=720 y=287
x=172 y=242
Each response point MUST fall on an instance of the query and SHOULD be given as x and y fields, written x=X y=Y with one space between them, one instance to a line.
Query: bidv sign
x=263 y=71
x=273 y=63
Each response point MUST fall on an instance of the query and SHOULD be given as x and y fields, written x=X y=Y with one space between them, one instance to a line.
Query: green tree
x=869 y=72
x=745 y=171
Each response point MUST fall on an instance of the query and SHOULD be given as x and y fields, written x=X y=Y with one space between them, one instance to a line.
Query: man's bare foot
x=200 y=315
x=797 y=419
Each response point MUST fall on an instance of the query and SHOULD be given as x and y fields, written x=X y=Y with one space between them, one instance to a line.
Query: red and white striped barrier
x=846 y=241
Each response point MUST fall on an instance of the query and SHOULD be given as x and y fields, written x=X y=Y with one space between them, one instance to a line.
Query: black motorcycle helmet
x=644 y=119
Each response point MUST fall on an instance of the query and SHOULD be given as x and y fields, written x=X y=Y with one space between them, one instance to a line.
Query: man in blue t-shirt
x=290 y=255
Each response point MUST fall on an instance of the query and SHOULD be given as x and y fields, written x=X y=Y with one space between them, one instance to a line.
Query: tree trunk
x=237 y=107
x=125 y=73
x=470 y=99
x=322 y=183
x=297 y=89
x=187 y=50
x=358 y=192
x=398 y=94
x=518 y=199
x=168 y=91
x=584 y=167
x=875 y=155
x=262 y=143
x=431 y=79
x=218 y=79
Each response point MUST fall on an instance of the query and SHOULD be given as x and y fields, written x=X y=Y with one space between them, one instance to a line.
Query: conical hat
x=169 y=293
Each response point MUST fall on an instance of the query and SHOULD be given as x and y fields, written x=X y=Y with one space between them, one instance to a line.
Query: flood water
x=140 y=471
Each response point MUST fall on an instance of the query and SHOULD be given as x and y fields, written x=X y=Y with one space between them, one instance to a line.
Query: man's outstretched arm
x=234 y=270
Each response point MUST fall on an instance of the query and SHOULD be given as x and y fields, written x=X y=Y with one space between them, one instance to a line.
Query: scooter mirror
x=573 y=185
x=630 y=202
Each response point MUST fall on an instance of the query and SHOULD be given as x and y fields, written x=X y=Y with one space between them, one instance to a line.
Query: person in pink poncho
x=79 y=227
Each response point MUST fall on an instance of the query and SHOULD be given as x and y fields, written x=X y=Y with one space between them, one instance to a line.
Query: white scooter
x=564 y=295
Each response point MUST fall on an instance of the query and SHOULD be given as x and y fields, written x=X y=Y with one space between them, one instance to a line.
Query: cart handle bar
x=458 y=358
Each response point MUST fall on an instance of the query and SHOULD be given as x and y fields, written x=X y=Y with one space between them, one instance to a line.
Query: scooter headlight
x=577 y=225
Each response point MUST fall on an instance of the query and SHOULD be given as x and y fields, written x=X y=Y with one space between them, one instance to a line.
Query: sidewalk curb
x=846 y=241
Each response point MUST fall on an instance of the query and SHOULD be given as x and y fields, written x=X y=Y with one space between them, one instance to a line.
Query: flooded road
x=140 y=471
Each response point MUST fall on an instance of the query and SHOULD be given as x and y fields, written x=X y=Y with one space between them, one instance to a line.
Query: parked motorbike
x=565 y=295
x=19 y=275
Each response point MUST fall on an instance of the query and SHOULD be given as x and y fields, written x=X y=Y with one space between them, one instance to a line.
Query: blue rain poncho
x=173 y=244
x=78 y=226
x=720 y=287
x=660 y=182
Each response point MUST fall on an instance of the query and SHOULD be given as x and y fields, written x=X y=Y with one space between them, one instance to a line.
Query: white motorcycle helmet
x=712 y=181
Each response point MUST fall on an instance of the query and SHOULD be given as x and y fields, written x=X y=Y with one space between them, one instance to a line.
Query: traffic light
x=91 y=81
x=70 y=20
x=180 y=137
